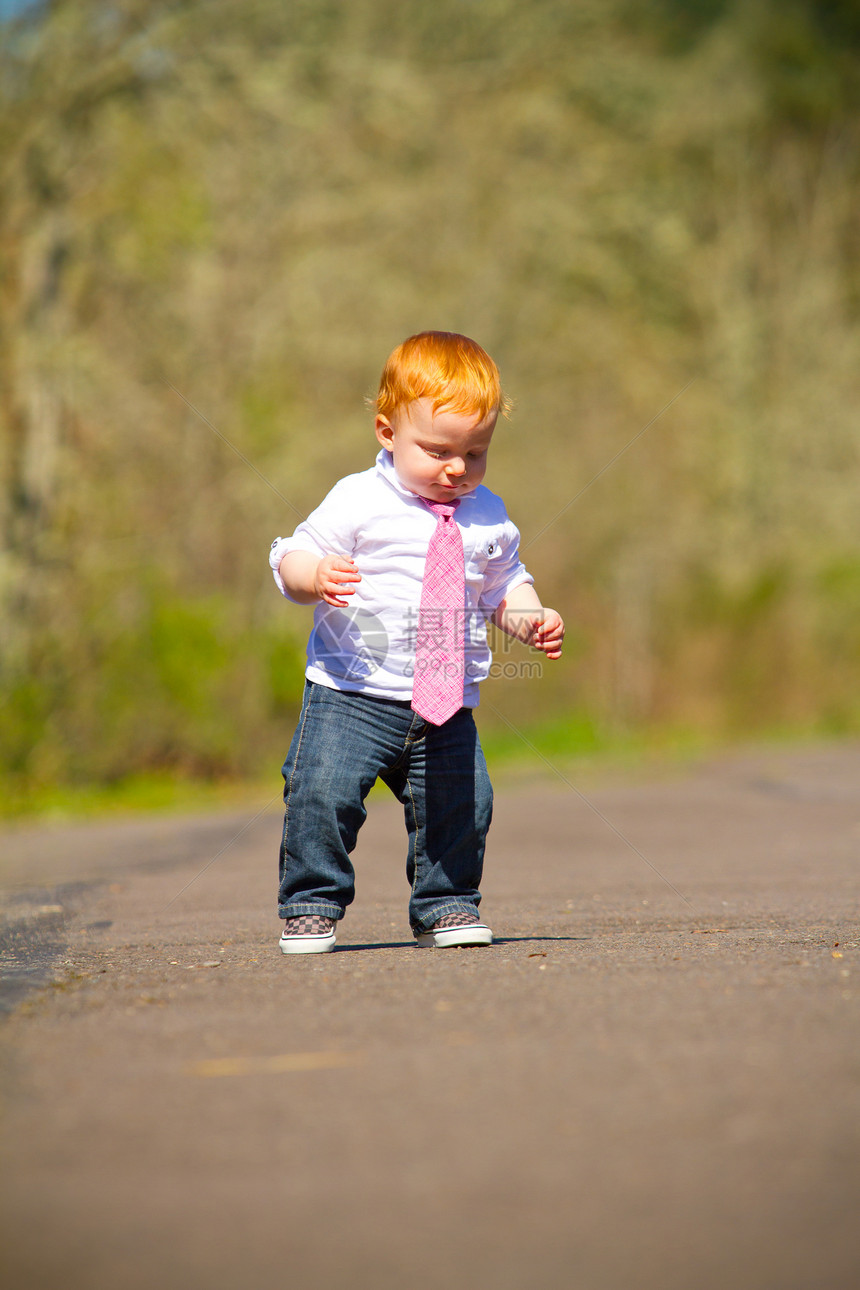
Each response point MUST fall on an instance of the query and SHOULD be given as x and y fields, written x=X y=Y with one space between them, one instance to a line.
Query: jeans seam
x=409 y=741
x=418 y=850
x=289 y=792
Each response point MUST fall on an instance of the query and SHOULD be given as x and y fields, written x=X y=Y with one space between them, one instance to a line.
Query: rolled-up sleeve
x=329 y=530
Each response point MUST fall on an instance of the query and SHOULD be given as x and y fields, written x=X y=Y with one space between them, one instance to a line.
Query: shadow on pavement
x=498 y=940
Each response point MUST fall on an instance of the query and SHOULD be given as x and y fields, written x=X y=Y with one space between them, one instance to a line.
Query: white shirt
x=370 y=646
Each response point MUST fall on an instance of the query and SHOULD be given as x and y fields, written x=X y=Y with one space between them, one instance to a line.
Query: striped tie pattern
x=437 y=690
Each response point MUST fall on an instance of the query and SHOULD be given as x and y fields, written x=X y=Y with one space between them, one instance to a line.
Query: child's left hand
x=549 y=634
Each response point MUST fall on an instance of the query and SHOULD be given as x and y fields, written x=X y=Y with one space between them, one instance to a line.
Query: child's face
x=440 y=455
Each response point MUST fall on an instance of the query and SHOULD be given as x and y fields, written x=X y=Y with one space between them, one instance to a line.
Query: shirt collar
x=385 y=468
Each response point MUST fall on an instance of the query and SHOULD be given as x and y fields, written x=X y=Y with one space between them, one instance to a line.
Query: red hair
x=443 y=366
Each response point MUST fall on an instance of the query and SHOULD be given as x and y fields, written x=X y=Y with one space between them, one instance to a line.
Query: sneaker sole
x=320 y=944
x=451 y=937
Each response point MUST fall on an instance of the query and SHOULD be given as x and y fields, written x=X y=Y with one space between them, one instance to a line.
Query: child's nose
x=456 y=466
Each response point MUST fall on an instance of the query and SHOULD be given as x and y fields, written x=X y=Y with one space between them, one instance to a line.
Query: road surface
x=651 y=1079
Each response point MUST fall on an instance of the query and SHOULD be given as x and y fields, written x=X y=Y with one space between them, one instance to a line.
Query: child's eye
x=430 y=453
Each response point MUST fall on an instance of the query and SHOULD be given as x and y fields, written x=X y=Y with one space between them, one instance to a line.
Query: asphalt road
x=651 y=1079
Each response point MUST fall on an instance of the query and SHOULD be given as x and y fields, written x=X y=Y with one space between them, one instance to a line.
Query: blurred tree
x=251 y=205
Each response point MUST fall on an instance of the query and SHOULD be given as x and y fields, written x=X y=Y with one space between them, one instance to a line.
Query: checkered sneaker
x=457 y=918
x=308 y=925
x=460 y=927
x=308 y=934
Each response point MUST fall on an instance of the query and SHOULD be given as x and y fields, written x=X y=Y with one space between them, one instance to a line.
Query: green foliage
x=251 y=205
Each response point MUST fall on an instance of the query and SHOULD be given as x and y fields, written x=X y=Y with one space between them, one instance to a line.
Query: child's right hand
x=333 y=577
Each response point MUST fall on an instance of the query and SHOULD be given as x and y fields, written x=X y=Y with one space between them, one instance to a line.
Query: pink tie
x=437 y=689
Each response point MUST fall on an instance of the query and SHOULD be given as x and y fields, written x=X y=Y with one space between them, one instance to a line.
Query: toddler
x=405 y=563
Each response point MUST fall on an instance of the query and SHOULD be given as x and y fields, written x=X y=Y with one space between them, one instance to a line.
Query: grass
x=156 y=792
x=550 y=750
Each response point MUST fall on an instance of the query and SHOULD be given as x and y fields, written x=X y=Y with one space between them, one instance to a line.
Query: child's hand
x=333 y=577
x=549 y=634
x=521 y=614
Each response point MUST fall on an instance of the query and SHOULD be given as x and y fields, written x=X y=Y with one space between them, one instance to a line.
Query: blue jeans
x=342 y=745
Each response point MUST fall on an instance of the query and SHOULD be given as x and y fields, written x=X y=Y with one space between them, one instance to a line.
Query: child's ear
x=385 y=432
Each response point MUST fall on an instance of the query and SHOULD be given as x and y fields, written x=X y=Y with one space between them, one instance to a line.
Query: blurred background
x=216 y=221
